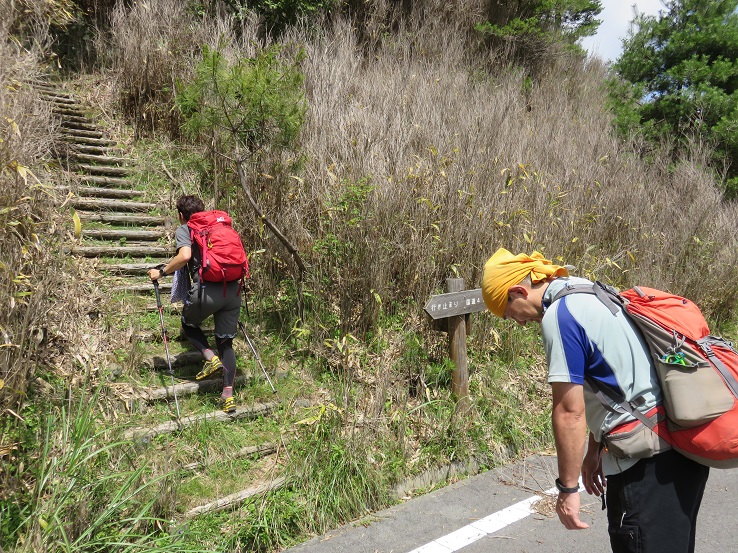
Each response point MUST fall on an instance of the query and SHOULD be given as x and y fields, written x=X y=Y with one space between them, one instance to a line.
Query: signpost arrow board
x=455 y=303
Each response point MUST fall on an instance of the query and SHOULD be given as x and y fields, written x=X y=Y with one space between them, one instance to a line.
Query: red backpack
x=222 y=254
x=698 y=373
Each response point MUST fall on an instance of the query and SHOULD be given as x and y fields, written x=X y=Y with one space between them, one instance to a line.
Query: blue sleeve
x=567 y=345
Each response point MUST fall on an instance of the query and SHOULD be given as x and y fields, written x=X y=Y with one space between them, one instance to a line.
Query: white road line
x=483 y=527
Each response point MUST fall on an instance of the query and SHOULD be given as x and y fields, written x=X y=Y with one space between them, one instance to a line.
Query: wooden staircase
x=125 y=232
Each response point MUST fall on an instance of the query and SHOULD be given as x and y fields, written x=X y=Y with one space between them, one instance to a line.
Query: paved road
x=497 y=512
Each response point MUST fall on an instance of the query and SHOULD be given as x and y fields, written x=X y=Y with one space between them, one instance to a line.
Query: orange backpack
x=698 y=373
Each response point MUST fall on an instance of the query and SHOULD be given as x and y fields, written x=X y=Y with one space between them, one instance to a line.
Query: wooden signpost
x=450 y=313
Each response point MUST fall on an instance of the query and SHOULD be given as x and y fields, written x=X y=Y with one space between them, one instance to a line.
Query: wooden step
x=105 y=181
x=56 y=98
x=75 y=118
x=93 y=150
x=124 y=219
x=47 y=87
x=105 y=170
x=252 y=452
x=187 y=388
x=235 y=499
x=184 y=359
x=127 y=268
x=86 y=140
x=121 y=251
x=174 y=308
x=95 y=192
x=101 y=160
x=68 y=110
x=102 y=204
x=249 y=413
x=164 y=287
x=76 y=133
x=86 y=126
x=117 y=234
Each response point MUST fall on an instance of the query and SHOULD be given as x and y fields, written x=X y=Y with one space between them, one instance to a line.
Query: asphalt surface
x=491 y=512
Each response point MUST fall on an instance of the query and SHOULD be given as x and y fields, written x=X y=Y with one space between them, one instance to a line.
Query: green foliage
x=79 y=501
x=278 y=14
x=338 y=481
x=532 y=24
x=249 y=103
x=271 y=524
x=681 y=75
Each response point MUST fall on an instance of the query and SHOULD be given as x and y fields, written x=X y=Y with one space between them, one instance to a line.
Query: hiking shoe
x=228 y=404
x=209 y=367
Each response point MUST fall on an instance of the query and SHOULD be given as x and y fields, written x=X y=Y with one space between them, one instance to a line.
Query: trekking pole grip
x=156 y=290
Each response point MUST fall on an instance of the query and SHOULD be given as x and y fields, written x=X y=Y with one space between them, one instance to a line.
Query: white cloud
x=616 y=17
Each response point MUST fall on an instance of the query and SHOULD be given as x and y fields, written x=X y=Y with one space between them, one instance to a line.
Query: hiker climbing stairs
x=124 y=227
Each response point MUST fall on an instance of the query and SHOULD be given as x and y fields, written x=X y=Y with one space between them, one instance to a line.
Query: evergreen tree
x=680 y=73
x=529 y=27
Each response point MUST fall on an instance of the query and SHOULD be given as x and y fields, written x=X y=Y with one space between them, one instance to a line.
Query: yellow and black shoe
x=228 y=405
x=209 y=367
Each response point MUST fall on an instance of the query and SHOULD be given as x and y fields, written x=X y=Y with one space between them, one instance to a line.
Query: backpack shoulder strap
x=606 y=294
x=602 y=392
x=611 y=298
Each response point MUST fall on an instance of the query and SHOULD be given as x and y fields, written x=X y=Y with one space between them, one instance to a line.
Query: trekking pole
x=166 y=344
x=256 y=355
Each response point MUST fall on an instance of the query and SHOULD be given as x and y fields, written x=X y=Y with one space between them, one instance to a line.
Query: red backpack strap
x=203 y=251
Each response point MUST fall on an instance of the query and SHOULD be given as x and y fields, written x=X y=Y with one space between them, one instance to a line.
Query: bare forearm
x=184 y=254
x=176 y=263
x=570 y=430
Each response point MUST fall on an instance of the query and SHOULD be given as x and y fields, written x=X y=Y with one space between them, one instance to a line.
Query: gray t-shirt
x=584 y=339
x=182 y=239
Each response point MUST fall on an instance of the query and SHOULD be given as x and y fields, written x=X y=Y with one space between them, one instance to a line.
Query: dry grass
x=25 y=140
x=44 y=309
x=460 y=162
x=152 y=44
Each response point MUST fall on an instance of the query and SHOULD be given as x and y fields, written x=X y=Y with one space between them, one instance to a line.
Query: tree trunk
x=281 y=237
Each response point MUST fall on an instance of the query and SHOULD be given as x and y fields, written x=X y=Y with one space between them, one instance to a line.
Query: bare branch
x=282 y=238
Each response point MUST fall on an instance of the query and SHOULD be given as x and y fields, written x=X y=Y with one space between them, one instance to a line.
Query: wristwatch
x=563 y=489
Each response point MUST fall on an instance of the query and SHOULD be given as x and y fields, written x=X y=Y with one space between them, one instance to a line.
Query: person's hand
x=154 y=274
x=592 y=477
x=567 y=507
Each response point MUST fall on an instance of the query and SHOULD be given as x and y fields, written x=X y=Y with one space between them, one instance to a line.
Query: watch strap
x=563 y=489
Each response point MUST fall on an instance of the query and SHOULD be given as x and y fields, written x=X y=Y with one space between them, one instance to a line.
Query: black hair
x=189 y=205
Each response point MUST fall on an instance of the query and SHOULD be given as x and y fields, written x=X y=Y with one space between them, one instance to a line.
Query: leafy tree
x=679 y=74
x=278 y=14
x=532 y=26
x=244 y=109
x=251 y=103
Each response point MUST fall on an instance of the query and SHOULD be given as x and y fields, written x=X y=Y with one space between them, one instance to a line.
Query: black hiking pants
x=652 y=507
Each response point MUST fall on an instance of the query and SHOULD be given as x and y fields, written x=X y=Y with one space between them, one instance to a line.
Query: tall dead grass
x=25 y=140
x=151 y=44
x=424 y=152
x=460 y=162
x=37 y=320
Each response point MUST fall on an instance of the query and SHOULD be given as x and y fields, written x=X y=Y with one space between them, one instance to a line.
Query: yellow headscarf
x=504 y=270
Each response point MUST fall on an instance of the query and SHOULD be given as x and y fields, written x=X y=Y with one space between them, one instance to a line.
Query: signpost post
x=450 y=313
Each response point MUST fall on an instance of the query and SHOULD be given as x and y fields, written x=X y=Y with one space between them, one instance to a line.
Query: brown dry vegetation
x=42 y=319
x=420 y=164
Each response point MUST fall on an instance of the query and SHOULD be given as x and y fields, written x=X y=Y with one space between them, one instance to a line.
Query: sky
x=616 y=17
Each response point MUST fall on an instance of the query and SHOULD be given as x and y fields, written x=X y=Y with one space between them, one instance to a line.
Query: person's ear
x=518 y=289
